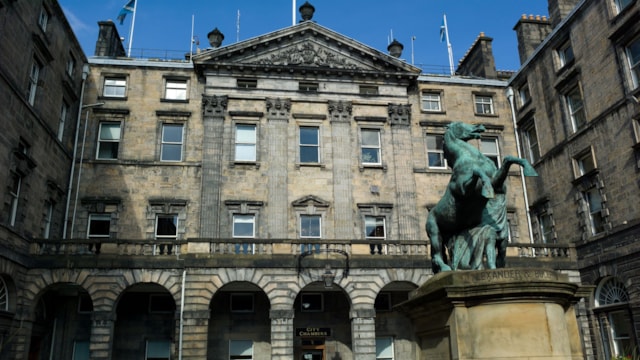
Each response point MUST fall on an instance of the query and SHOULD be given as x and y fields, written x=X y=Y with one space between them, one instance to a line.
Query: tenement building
x=577 y=108
x=267 y=199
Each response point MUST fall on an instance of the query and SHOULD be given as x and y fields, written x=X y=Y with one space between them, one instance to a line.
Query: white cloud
x=76 y=24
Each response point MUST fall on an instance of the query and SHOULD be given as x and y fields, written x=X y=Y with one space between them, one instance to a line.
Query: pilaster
x=340 y=116
x=281 y=334
x=278 y=112
x=213 y=113
x=363 y=333
x=101 y=340
x=194 y=334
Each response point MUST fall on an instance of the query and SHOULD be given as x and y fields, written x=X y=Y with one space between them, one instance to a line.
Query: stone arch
x=39 y=281
x=365 y=296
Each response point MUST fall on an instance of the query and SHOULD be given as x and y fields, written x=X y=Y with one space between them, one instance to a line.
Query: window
x=4 y=295
x=622 y=4
x=368 y=90
x=309 y=144
x=593 y=199
x=310 y=226
x=524 y=94
x=244 y=227
x=484 y=104
x=43 y=19
x=171 y=149
x=311 y=302
x=384 y=348
x=247 y=83
x=175 y=90
x=166 y=226
x=374 y=229
x=240 y=349
x=576 y=109
x=71 y=65
x=611 y=300
x=14 y=195
x=242 y=302
x=633 y=56
x=565 y=54
x=431 y=101
x=245 y=142
x=64 y=110
x=585 y=163
x=383 y=302
x=48 y=216
x=114 y=87
x=545 y=222
x=308 y=86
x=531 y=142
x=435 y=151
x=158 y=350
x=81 y=350
x=108 y=140
x=99 y=226
x=34 y=75
x=489 y=147
x=370 y=148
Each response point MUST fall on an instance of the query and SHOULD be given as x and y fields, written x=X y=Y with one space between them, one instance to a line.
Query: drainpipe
x=85 y=73
x=510 y=96
x=184 y=278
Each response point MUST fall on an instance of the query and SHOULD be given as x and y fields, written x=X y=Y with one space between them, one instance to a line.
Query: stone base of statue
x=497 y=314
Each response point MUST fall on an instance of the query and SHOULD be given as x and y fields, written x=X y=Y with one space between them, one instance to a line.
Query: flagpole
x=293 y=12
x=191 y=42
x=133 y=23
x=449 y=48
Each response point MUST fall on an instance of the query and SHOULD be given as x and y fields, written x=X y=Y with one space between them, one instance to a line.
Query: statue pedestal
x=497 y=314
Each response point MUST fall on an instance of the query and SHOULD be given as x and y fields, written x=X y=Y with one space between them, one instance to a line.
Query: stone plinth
x=497 y=314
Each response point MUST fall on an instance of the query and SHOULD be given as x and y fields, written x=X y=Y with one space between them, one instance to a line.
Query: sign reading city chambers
x=313 y=331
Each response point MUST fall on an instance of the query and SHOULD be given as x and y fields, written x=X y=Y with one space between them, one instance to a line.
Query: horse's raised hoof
x=528 y=170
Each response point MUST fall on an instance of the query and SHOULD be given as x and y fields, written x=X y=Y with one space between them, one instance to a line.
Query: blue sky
x=166 y=24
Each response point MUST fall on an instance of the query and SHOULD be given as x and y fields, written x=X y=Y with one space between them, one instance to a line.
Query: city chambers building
x=264 y=199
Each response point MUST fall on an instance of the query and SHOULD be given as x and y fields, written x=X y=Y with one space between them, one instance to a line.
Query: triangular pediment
x=310 y=200
x=306 y=47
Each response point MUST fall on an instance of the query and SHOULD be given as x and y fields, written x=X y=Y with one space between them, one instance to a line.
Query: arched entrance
x=395 y=337
x=62 y=323
x=322 y=328
x=145 y=323
x=239 y=327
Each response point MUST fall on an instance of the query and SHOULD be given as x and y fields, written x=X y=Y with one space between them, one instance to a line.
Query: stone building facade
x=262 y=200
x=41 y=81
x=576 y=99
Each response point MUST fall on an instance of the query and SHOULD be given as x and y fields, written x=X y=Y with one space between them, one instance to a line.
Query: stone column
x=195 y=332
x=101 y=340
x=213 y=112
x=340 y=117
x=406 y=208
x=281 y=334
x=363 y=333
x=278 y=111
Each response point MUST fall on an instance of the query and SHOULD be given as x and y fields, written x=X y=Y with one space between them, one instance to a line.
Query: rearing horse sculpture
x=473 y=207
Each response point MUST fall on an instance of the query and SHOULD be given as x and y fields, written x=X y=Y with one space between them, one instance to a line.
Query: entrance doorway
x=312 y=349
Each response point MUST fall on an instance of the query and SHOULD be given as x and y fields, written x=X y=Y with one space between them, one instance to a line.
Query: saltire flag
x=127 y=9
x=443 y=30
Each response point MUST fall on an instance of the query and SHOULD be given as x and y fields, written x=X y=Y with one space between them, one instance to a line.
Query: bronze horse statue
x=471 y=216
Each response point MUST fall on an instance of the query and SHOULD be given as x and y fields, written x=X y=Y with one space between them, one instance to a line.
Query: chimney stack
x=531 y=31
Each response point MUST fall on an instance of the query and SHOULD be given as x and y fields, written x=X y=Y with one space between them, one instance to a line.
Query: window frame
x=594 y=213
x=482 y=106
x=376 y=148
x=584 y=158
x=164 y=343
x=611 y=297
x=246 y=83
x=621 y=5
x=238 y=144
x=114 y=87
x=108 y=141
x=5 y=295
x=524 y=94
x=368 y=90
x=47 y=218
x=376 y=225
x=176 y=89
x=302 y=233
x=437 y=151
x=71 y=65
x=546 y=227
x=166 y=144
x=176 y=223
x=565 y=53
x=62 y=120
x=34 y=78
x=308 y=86
x=383 y=353
x=494 y=156
x=315 y=146
x=437 y=99
x=575 y=108
x=634 y=68
x=81 y=345
x=14 y=194
x=237 y=216
x=43 y=19
x=104 y=217
x=531 y=143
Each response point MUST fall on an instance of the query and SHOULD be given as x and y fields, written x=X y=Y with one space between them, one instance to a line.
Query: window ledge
x=382 y=167
x=245 y=164
x=487 y=115
x=115 y=98
x=439 y=112
x=175 y=101
x=318 y=165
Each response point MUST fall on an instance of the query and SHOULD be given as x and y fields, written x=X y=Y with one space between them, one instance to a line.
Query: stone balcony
x=270 y=253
